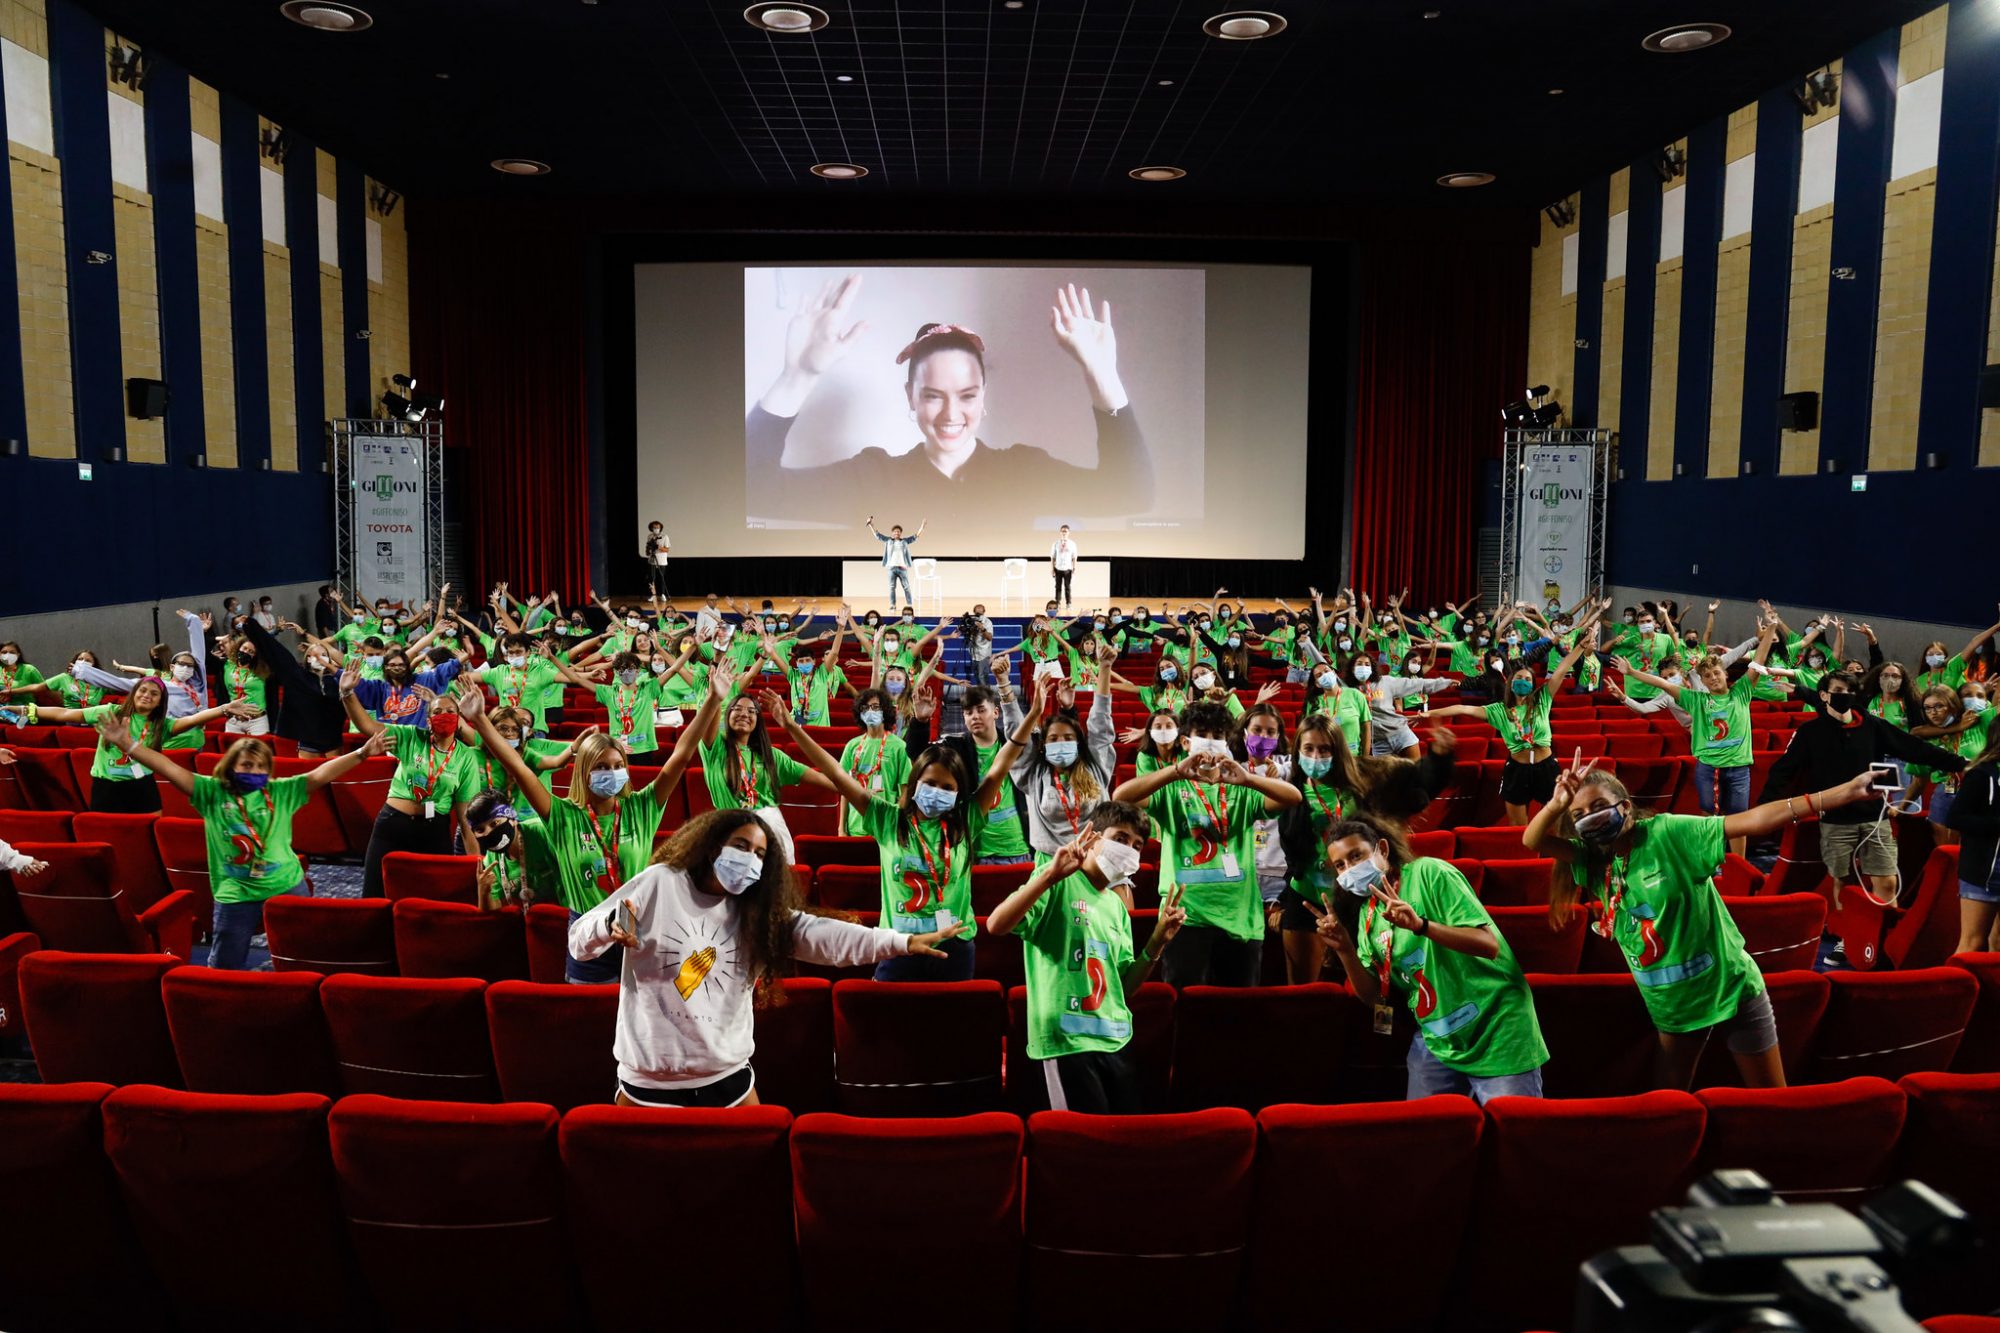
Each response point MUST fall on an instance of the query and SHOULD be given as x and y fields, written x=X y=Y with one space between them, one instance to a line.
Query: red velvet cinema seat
x=863 y=1189
x=1830 y=1143
x=411 y=1037
x=455 y=1212
x=552 y=1043
x=206 y=1174
x=1600 y=1038
x=98 y=1017
x=1951 y=1142
x=1185 y=1186
x=1890 y=1023
x=440 y=939
x=445 y=879
x=1979 y=1052
x=734 y=1165
x=1781 y=932
x=78 y=905
x=249 y=1033
x=331 y=935
x=1241 y=1047
x=918 y=1048
x=794 y=1058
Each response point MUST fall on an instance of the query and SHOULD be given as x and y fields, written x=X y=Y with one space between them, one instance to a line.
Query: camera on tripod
x=1739 y=1258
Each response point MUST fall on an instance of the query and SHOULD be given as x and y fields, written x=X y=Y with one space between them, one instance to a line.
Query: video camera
x=1738 y=1258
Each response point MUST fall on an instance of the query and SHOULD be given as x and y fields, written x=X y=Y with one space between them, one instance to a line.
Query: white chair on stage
x=1014 y=576
x=924 y=575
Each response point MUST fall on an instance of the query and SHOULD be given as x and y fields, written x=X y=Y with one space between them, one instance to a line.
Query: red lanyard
x=257 y=838
x=1520 y=727
x=866 y=775
x=609 y=880
x=931 y=870
x=1386 y=951
x=746 y=763
x=1219 y=820
x=235 y=675
x=1072 y=810
x=517 y=681
x=436 y=760
x=1614 y=895
x=626 y=705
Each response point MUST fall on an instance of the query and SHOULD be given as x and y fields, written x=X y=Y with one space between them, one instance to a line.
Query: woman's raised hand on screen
x=816 y=338
x=1084 y=331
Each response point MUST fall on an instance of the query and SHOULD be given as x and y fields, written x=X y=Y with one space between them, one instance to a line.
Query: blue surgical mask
x=374 y=661
x=1170 y=673
x=1327 y=680
x=1362 y=671
x=871 y=717
x=895 y=687
x=1524 y=687
x=805 y=668
x=737 y=870
x=1236 y=641
x=1316 y=765
x=1360 y=880
x=608 y=782
x=1061 y=753
x=251 y=781
x=933 y=801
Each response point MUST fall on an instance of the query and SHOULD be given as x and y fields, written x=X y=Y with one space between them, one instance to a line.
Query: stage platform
x=878 y=600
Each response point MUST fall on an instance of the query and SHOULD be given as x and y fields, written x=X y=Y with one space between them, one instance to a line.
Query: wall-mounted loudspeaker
x=1798 y=411
x=146 y=399
x=1989 y=387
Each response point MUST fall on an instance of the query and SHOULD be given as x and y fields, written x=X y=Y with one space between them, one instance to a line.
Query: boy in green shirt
x=1074 y=919
x=1207 y=807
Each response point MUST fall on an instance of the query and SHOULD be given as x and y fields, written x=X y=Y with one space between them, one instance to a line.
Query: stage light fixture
x=274 y=143
x=1817 y=91
x=519 y=166
x=786 y=18
x=1160 y=173
x=1685 y=37
x=1670 y=163
x=427 y=401
x=1562 y=212
x=129 y=66
x=1244 y=25
x=384 y=199
x=326 y=15
x=839 y=171
x=1465 y=180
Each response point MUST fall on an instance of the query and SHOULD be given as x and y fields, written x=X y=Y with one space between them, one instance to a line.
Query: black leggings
x=398 y=832
x=1210 y=956
x=1092 y=1082
x=124 y=796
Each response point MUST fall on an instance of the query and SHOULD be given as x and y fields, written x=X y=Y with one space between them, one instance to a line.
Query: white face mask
x=737 y=870
x=517 y=660
x=1362 y=671
x=9 y=659
x=1203 y=745
x=1204 y=681
x=182 y=671
x=1118 y=862
x=76 y=667
x=1165 y=736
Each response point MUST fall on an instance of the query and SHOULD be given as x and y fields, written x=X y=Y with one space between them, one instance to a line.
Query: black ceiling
x=1359 y=100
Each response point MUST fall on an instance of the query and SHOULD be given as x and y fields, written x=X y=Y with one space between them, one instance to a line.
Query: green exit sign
x=1860 y=481
x=83 y=472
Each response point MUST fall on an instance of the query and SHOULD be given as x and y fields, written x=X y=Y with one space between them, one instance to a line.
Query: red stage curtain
x=1442 y=345
x=497 y=316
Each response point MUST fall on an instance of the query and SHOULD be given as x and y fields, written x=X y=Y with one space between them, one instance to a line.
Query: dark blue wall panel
x=170 y=174
x=1642 y=258
x=302 y=238
x=1773 y=206
x=1593 y=216
x=82 y=123
x=13 y=391
x=351 y=206
x=243 y=213
x=1708 y=149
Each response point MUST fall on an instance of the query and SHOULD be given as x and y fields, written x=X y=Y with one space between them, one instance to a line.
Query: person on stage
x=656 y=550
x=896 y=555
x=1062 y=564
x=946 y=386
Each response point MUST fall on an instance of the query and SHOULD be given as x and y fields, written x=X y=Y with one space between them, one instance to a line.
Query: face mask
x=890 y=646
x=1891 y=684
x=1630 y=619
x=373 y=662
x=1118 y=862
x=1973 y=705
x=1347 y=645
x=251 y=781
x=1413 y=667
x=736 y=869
x=1260 y=747
x=609 y=781
x=1485 y=639
x=513 y=742
x=1513 y=640
x=871 y=717
x=1362 y=671
x=1646 y=627
x=1562 y=626
x=316 y=663
x=659 y=668
x=451 y=631
x=1934 y=659
x=769 y=625
x=633 y=622
x=9 y=659
x=1815 y=661
x=805 y=668
x=1360 y=880
x=932 y=801
x=1839 y=702
x=76 y=667
x=1144 y=616
x=1117 y=620
x=1169 y=673
x=1236 y=641
x=628 y=677
x=444 y=725
x=874 y=619
x=1340 y=627
x=1204 y=681
x=182 y=671
x=1206 y=745
x=1600 y=825
x=498 y=838
x=1316 y=766
x=1524 y=687
x=1061 y=753
x=895 y=687
x=1327 y=680
x=1674 y=681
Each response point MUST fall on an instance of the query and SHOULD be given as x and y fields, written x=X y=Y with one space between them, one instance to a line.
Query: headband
x=939 y=331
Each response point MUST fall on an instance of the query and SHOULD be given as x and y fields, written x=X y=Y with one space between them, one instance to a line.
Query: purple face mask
x=1260 y=747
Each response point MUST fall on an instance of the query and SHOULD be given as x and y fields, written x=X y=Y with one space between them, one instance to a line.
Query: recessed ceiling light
x=520 y=166
x=1684 y=37
x=1463 y=180
x=1555 y=92
x=843 y=78
x=1156 y=173
x=1166 y=83
x=839 y=171
x=441 y=75
x=1015 y=4
x=1245 y=25
x=1433 y=13
x=786 y=18
x=326 y=16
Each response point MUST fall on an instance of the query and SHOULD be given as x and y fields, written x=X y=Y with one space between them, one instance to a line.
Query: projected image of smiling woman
x=951 y=402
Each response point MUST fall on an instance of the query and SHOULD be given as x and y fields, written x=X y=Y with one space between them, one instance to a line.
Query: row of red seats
x=915 y=1049
x=405 y=1214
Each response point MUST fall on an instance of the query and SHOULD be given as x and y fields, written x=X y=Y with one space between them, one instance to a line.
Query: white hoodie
x=685 y=1008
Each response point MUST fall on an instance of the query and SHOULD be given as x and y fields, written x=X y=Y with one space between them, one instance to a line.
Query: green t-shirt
x=630 y=712
x=20 y=674
x=1327 y=807
x=1465 y=657
x=882 y=766
x=1951 y=675
x=1683 y=947
x=1163 y=698
x=250 y=856
x=112 y=764
x=524 y=687
x=1890 y=711
x=1283 y=646
x=1719 y=724
x=1970 y=743
x=442 y=775
x=1207 y=844
x=1476 y=1015
x=1000 y=831
x=493 y=776
x=687 y=689
x=1522 y=726
x=73 y=693
x=1077 y=943
x=552 y=689
x=581 y=848
x=350 y=635
x=1348 y=707
x=809 y=695
x=1047 y=648
x=760 y=787
x=1649 y=653
x=242 y=684
x=926 y=878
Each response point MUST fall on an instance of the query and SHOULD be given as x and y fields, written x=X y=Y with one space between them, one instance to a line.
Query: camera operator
x=976 y=629
x=656 y=550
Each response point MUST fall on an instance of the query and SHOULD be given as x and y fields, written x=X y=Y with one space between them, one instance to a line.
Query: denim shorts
x=1987 y=893
x=1430 y=1077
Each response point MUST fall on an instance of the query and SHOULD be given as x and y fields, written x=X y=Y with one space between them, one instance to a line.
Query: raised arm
x=363 y=723
x=1972 y=644
x=374 y=747
x=688 y=743
x=472 y=711
x=814 y=754
x=117 y=732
